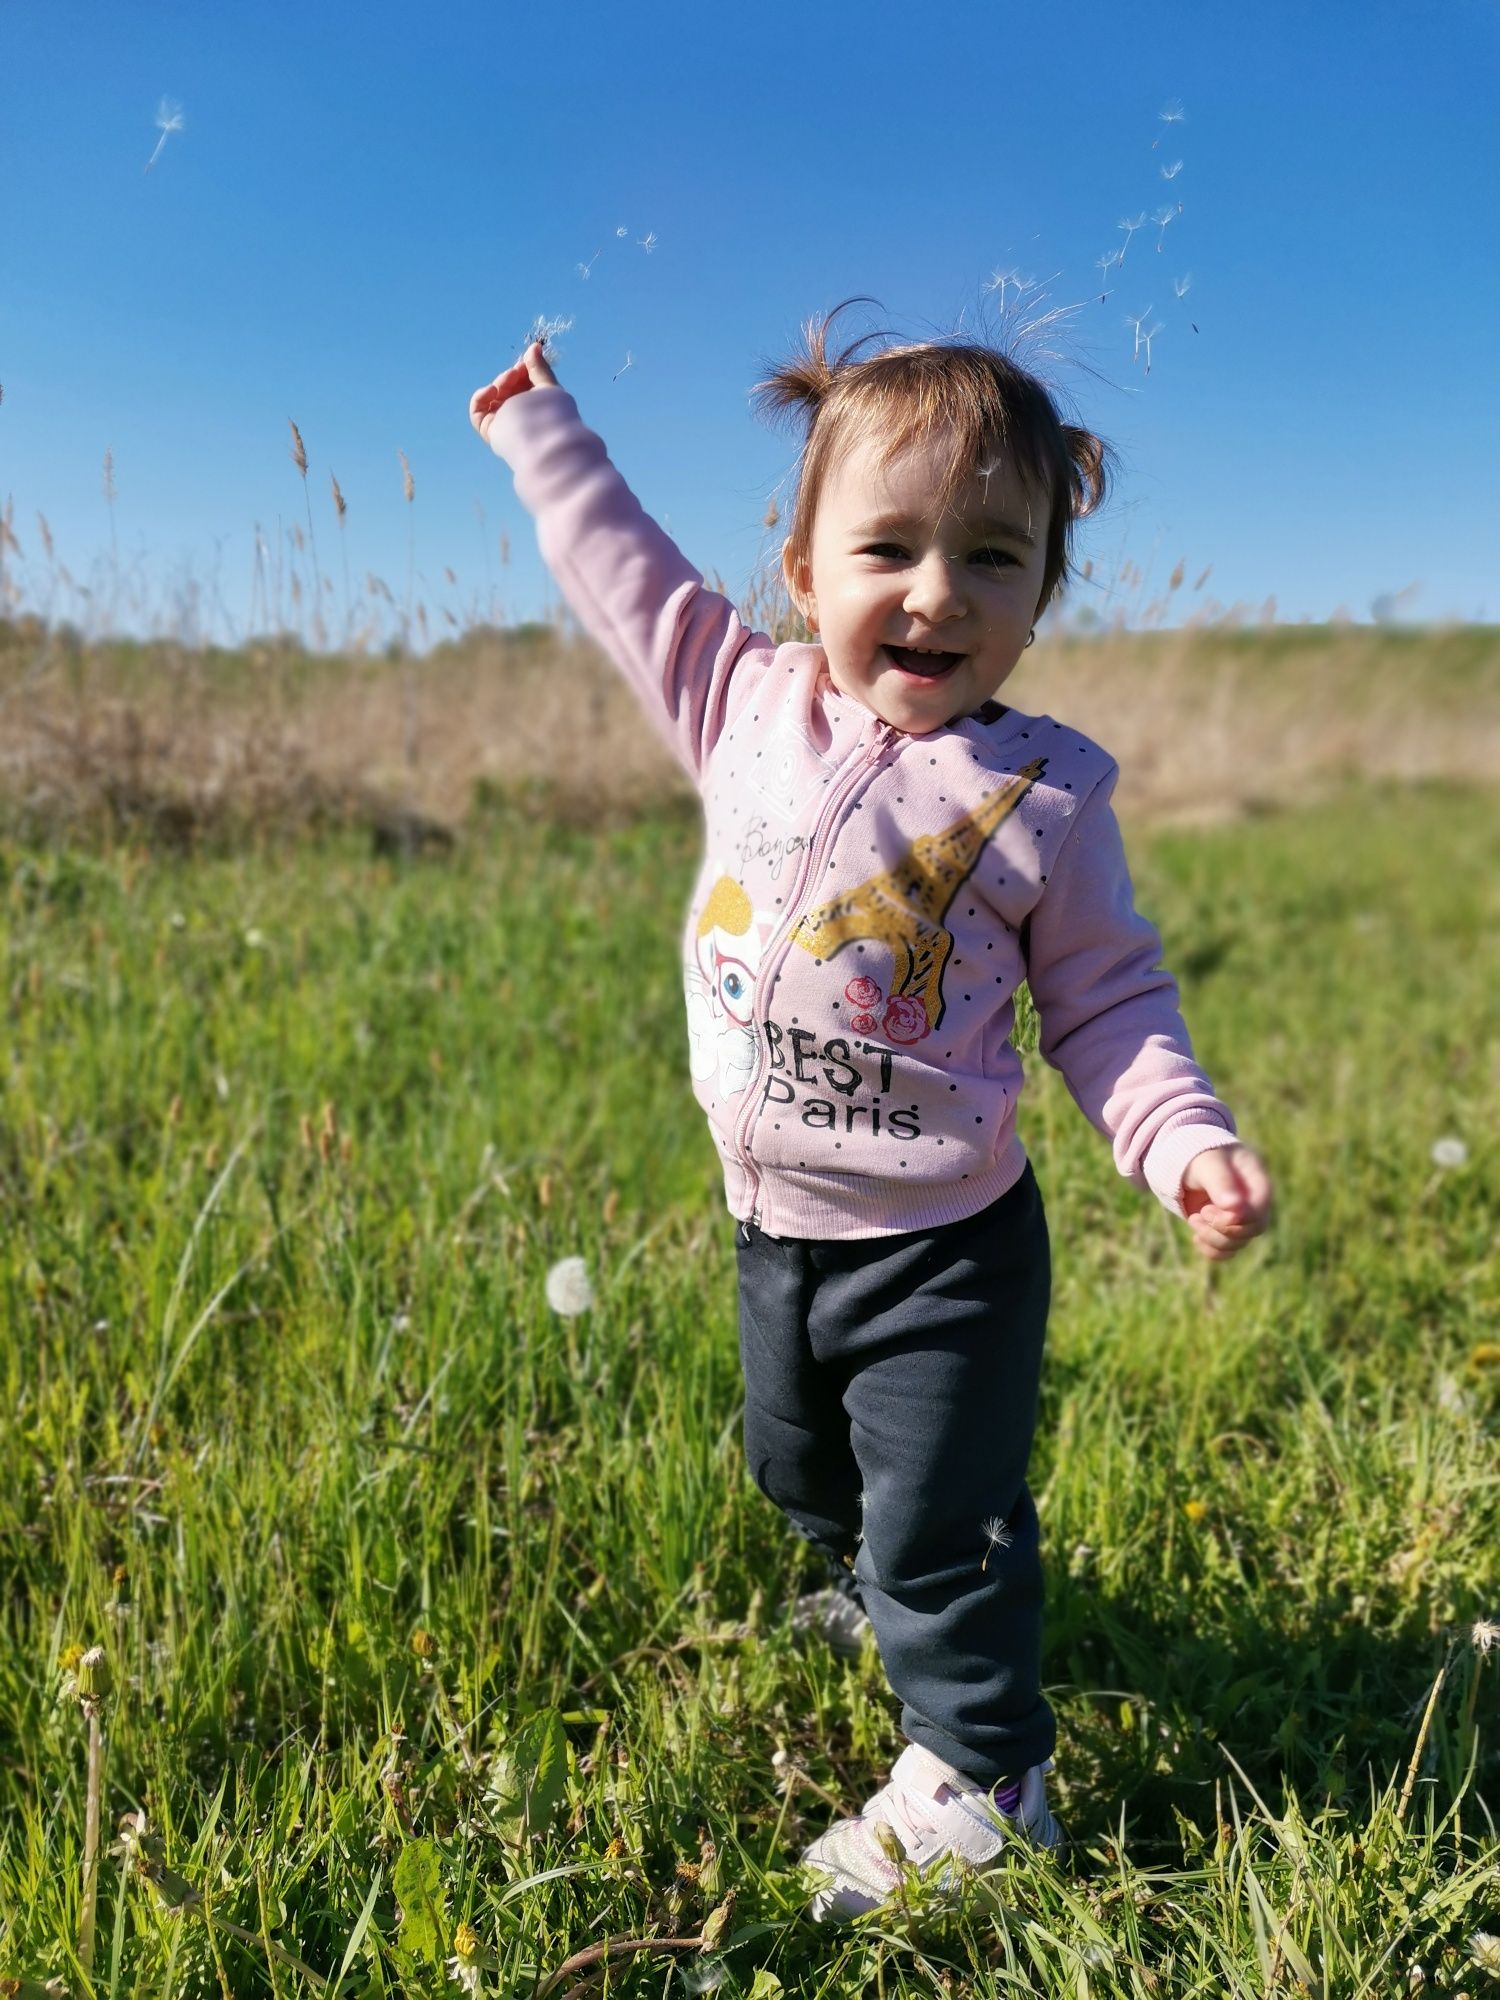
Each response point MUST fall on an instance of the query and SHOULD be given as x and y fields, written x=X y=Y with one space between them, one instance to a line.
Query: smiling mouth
x=922 y=666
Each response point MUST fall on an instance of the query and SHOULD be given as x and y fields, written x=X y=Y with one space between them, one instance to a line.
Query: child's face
x=887 y=572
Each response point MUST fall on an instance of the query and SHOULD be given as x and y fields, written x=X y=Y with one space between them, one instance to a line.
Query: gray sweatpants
x=890 y=1402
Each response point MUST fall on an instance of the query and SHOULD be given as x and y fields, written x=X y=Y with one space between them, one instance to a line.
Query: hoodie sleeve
x=676 y=641
x=1108 y=1010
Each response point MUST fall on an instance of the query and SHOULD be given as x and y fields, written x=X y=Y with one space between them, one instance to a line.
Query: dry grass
x=184 y=745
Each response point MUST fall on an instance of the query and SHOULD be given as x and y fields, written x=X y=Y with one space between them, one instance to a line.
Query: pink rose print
x=862 y=1024
x=905 y=1019
x=863 y=993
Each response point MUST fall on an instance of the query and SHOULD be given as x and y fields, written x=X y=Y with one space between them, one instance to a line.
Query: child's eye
x=993 y=555
x=884 y=549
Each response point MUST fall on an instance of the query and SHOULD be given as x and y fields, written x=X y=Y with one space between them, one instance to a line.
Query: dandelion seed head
x=547 y=331
x=568 y=1289
x=1449 y=1152
x=1484 y=1635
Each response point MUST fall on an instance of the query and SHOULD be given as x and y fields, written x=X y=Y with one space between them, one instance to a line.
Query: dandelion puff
x=703 y=1978
x=568 y=1289
x=169 y=119
x=1484 y=1635
x=547 y=331
x=1449 y=1152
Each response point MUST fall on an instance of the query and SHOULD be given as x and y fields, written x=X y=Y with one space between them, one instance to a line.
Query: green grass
x=282 y=1388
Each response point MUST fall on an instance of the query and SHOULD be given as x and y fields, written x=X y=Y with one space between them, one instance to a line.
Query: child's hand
x=530 y=372
x=1226 y=1196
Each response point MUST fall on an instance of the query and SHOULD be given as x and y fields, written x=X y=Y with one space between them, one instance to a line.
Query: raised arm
x=676 y=641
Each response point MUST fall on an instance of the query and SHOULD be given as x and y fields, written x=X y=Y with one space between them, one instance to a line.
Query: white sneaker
x=835 y=1617
x=934 y=1815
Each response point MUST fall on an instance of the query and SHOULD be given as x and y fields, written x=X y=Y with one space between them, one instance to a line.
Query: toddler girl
x=889 y=852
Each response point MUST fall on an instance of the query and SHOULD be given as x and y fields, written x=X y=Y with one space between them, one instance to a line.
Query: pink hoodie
x=869 y=901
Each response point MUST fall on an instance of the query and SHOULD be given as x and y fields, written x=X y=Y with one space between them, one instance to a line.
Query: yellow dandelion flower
x=1196 y=1510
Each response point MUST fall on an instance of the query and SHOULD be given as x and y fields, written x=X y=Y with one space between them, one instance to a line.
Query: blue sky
x=367 y=208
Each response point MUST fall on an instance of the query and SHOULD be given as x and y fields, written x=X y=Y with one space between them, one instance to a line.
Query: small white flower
x=464 y=1972
x=568 y=1289
x=255 y=940
x=1449 y=1152
x=1484 y=1949
x=1484 y=1635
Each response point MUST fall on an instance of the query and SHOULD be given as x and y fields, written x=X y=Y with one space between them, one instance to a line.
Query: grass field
x=427 y=1607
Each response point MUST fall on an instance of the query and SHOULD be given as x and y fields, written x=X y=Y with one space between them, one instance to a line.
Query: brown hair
x=980 y=397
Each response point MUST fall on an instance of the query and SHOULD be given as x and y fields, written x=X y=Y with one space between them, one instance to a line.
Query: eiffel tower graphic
x=904 y=908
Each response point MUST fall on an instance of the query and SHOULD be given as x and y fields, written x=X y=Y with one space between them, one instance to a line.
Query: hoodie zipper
x=780 y=944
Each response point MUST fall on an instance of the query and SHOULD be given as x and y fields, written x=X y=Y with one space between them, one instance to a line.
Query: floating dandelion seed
x=1449 y=1153
x=586 y=270
x=1136 y=320
x=1171 y=173
x=648 y=241
x=1147 y=339
x=1130 y=228
x=1173 y=114
x=628 y=362
x=1104 y=265
x=568 y=1289
x=997 y=1535
x=168 y=120
x=622 y=230
x=1182 y=286
x=1002 y=281
x=1162 y=217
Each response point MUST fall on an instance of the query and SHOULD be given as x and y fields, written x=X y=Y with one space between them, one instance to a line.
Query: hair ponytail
x=802 y=384
x=1090 y=457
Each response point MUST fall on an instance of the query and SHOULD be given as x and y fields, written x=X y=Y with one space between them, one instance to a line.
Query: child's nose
x=934 y=591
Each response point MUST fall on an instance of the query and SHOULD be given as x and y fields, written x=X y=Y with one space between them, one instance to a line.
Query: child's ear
x=799 y=584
